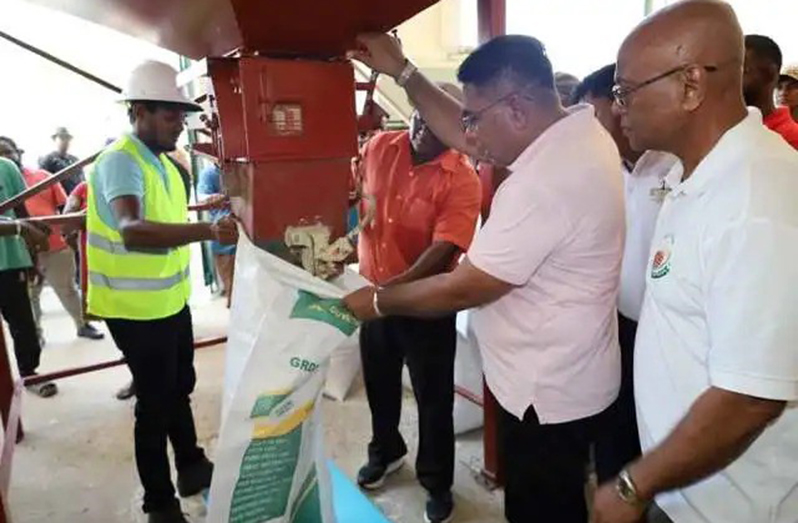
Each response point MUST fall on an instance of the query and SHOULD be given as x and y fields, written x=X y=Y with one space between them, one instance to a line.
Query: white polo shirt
x=555 y=232
x=721 y=310
x=645 y=186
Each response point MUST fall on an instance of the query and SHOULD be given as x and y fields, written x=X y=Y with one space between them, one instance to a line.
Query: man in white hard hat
x=138 y=275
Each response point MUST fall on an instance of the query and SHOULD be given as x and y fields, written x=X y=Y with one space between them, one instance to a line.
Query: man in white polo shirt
x=716 y=358
x=543 y=271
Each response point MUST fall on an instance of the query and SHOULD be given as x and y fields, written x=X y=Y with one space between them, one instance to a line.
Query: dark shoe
x=170 y=515
x=88 y=331
x=372 y=475
x=126 y=392
x=439 y=508
x=195 y=478
x=47 y=389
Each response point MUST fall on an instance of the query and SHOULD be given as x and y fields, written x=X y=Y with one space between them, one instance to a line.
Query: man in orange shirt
x=56 y=265
x=427 y=200
x=760 y=79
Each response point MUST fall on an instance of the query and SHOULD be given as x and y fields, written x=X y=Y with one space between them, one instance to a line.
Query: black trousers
x=546 y=467
x=15 y=307
x=160 y=355
x=619 y=441
x=428 y=348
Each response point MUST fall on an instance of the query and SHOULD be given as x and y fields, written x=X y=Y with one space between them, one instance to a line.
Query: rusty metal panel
x=275 y=195
x=318 y=27
x=286 y=133
x=298 y=108
x=202 y=28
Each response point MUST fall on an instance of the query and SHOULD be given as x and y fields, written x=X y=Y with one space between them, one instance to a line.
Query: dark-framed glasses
x=622 y=93
x=470 y=120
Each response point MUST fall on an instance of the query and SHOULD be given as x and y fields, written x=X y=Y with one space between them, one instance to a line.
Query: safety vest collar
x=149 y=157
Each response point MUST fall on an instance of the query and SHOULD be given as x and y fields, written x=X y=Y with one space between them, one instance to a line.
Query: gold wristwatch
x=627 y=490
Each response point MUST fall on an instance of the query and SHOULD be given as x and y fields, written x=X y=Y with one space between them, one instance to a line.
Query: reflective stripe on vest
x=112 y=247
x=137 y=284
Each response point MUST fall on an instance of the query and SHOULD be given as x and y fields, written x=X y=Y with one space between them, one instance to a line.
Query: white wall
x=580 y=35
x=584 y=35
x=36 y=95
x=777 y=19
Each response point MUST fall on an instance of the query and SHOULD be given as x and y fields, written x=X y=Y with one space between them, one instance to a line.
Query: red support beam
x=492 y=22
x=492 y=19
x=468 y=395
x=77 y=371
x=10 y=397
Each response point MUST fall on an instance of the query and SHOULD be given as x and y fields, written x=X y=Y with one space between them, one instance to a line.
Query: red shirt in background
x=415 y=205
x=81 y=192
x=46 y=203
x=781 y=121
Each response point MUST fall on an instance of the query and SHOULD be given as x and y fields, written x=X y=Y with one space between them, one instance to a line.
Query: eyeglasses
x=470 y=120
x=621 y=94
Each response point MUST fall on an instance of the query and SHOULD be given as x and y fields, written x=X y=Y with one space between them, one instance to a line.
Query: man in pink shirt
x=543 y=271
x=57 y=265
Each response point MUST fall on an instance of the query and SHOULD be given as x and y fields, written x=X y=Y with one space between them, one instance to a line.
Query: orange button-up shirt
x=46 y=203
x=437 y=201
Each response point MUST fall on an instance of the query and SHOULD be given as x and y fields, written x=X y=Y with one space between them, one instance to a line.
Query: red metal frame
x=492 y=19
x=10 y=397
x=492 y=22
x=284 y=132
x=468 y=395
x=77 y=371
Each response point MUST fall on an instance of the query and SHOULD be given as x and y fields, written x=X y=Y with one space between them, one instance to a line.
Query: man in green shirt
x=15 y=264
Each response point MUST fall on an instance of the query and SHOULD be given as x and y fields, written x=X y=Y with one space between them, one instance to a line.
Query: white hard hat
x=156 y=82
x=790 y=72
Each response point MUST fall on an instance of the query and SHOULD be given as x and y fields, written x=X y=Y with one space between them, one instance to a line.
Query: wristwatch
x=408 y=71
x=627 y=490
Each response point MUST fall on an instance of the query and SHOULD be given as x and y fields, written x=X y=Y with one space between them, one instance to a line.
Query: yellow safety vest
x=138 y=285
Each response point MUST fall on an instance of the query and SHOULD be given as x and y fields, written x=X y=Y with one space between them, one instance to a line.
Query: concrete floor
x=76 y=462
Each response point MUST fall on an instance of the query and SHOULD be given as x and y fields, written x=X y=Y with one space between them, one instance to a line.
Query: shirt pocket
x=418 y=214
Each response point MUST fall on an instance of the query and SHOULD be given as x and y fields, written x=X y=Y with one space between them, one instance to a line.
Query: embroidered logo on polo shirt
x=661 y=264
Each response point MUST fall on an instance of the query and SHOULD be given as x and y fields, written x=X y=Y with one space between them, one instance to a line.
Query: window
x=580 y=35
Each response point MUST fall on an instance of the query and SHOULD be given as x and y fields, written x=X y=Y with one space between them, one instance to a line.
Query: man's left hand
x=608 y=507
x=361 y=303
